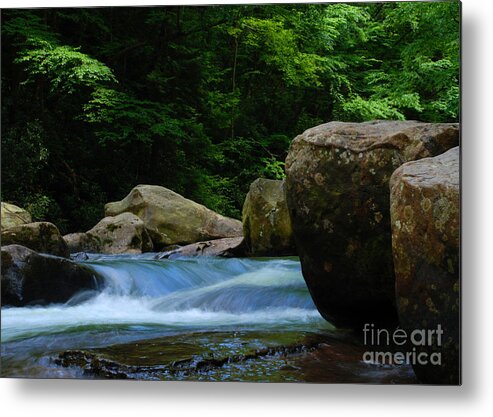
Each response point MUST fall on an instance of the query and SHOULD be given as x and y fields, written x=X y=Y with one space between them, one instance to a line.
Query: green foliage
x=65 y=67
x=25 y=25
x=279 y=49
x=418 y=70
x=203 y=100
x=273 y=169
x=215 y=192
x=40 y=206
x=122 y=119
x=24 y=143
x=41 y=56
x=358 y=109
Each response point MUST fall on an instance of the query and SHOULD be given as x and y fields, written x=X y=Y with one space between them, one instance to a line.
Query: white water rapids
x=143 y=298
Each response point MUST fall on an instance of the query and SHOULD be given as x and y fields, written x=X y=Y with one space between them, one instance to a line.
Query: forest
x=203 y=100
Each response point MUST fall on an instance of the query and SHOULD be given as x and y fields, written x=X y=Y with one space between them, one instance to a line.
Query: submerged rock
x=124 y=233
x=39 y=236
x=248 y=356
x=338 y=198
x=79 y=256
x=266 y=223
x=172 y=219
x=227 y=248
x=32 y=278
x=13 y=216
x=425 y=213
x=196 y=356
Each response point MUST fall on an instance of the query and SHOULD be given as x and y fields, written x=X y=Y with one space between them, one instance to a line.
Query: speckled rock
x=31 y=278
x=13 y=216
x=338 y=198
x=425 y=217
x=39 y=236
x=172 y=219
x=124 y=233
x=266 y=223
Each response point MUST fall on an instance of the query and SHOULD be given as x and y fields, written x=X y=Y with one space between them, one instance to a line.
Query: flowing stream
x=145 y=298
x=202 y=318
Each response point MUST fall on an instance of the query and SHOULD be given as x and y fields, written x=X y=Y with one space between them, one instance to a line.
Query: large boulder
x=338 y=198
x=39 y=236
x=266 y=223
x=124 y=233
x=31 y=278
x=13 y=216
x=425 y=216
x=172 y=219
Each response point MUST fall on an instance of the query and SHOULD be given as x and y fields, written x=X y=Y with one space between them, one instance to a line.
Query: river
x=186 y=309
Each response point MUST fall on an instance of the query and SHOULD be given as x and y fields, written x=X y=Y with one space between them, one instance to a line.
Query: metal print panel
x=259 y=193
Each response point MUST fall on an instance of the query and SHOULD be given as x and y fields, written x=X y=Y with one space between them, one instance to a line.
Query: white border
x=119 y=398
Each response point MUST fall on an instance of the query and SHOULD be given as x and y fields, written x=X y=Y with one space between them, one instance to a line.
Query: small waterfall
x=178 y=295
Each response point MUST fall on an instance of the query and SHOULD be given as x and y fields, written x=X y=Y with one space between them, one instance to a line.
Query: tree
x=203 y=100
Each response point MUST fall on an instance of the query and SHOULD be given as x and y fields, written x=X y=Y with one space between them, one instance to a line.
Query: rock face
x=172 y=219
x=14 y=216
x=425 y=216
x=266 y=222
x=82 y=242
x=226 y=247
x=32 y=278
x=124 y=233
x=338 y=198
x=39 y=236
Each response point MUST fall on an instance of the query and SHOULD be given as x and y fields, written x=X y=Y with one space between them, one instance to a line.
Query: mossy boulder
x=13 y=216
x=31 y=278
x=266 y=223
x=425 y=218
x=39 y=236
x=338 y=198
x=124 y=233
x=172 y=219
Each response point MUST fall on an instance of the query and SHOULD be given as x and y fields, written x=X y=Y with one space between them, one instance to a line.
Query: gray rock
x=82 y=242
x=39 y=236
x=172 y=219
x=124 y=233
x=266 y=222
x=13 y=216
x=227 y=247
x=32 y=278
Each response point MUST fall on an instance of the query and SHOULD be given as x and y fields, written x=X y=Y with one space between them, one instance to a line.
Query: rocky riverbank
x=372 y=209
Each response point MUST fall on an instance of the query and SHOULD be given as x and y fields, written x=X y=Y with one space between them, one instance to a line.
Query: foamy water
x=143 y=297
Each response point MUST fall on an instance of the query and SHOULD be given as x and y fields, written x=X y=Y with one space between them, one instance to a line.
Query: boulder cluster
x=375 y=211
x=36 y=268
x=36 y=265
x=372 y=209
